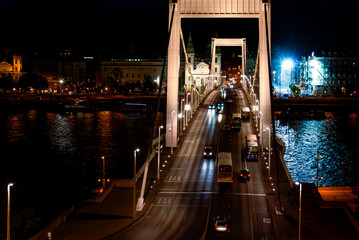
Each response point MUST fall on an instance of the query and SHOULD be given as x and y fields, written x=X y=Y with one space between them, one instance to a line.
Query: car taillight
x=249 y=175
x=218 y=179
x=249 y=155
x=241 y=174
x=215 y=225
x=231 y=179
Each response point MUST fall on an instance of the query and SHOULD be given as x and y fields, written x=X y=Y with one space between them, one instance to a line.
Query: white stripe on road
x=236 y=194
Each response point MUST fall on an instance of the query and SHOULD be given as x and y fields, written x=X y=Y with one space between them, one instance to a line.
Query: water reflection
x=333 y=138
x=60 y=132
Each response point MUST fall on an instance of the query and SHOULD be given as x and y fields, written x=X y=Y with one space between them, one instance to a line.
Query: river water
x=334 y=138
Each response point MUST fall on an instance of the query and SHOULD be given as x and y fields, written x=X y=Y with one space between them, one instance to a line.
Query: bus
x=252 y=147
x=225 y=168
x=246 y=112
x=236 y=121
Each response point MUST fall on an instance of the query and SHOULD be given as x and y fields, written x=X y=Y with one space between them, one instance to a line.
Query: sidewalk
x=317 y=223
x=94 y=221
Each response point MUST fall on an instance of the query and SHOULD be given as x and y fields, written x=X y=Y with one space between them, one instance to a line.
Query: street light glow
x=287 y=64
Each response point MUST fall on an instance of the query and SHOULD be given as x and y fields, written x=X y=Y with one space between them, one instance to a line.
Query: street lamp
x=318 y=156
x=8 y=211
x=172 y=136
x=261 y=129
x=300 y=209
x=134 y=181
x=182 y=121
x=269 y=152
x=103 y=173
x=159 y=152
x=186 y=108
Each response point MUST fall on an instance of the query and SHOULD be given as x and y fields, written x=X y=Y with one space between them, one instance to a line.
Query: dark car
x=221 y=224
x=211 y=106
x=226 y=127
x=244 y=174
x=208 y=151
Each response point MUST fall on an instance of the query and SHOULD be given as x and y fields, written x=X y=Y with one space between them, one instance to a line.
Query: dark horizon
x=139 y=28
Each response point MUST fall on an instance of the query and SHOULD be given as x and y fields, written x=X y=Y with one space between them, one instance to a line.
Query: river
x=334 y=139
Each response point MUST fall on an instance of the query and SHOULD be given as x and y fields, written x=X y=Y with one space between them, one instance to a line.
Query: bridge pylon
x=254 y=9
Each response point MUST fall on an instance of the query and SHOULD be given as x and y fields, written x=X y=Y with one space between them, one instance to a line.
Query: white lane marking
x=236 y=194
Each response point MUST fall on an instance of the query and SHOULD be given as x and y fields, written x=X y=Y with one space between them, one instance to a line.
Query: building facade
x=14 y=69
x=131 y=70
x=201 y=68
x=330 y=74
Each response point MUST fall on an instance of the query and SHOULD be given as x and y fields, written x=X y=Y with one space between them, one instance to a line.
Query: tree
x=6 y=82
x=32 y=80
x=295 y=89
x=148 y=85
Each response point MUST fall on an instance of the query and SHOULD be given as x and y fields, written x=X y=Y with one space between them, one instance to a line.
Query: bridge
x=177 y=196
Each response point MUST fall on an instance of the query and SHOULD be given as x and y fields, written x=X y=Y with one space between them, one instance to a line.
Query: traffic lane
x=194 y=173
x=168 y=212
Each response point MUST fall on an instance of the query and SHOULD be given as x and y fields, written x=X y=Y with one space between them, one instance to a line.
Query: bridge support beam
x=264 y=78
x=172 y=79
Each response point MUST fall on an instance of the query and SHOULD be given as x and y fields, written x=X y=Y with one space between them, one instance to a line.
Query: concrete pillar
x=264 y=94
x=172 y=80
x=213 y=56
x=244 y=55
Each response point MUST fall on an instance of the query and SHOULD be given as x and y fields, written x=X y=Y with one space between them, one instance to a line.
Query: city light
x=287 y=64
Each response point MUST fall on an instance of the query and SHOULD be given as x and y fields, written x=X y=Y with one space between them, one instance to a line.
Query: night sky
x=138 y=27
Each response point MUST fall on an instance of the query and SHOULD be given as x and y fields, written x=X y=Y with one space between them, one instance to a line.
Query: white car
x=221 y=224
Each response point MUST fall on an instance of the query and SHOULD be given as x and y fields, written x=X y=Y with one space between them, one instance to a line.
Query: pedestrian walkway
x=317 y=223
x=94 y=221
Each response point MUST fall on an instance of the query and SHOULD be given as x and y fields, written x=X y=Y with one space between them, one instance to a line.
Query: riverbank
x=316 y=104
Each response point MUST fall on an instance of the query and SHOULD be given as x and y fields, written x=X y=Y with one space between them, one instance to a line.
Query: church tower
x=17 y=63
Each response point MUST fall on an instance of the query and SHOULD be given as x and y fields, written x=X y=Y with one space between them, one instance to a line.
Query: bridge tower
x=216 y=9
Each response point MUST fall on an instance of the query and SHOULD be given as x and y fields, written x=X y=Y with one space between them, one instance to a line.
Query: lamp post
x=192 y=102
x=134 y=181
x=318 y=156
x=173 y=111
x=300 y=209
x=159 y=152
x=186 y=111
x=261 y=129
x=103 y=173
x=8 y=211
x=269 y=152
x=257 y=114
x=182 y=125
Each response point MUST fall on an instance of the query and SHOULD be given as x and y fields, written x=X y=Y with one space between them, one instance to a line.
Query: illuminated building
x=131 y=70
x=200 y=67
x=14 y=69
x=330 y=74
